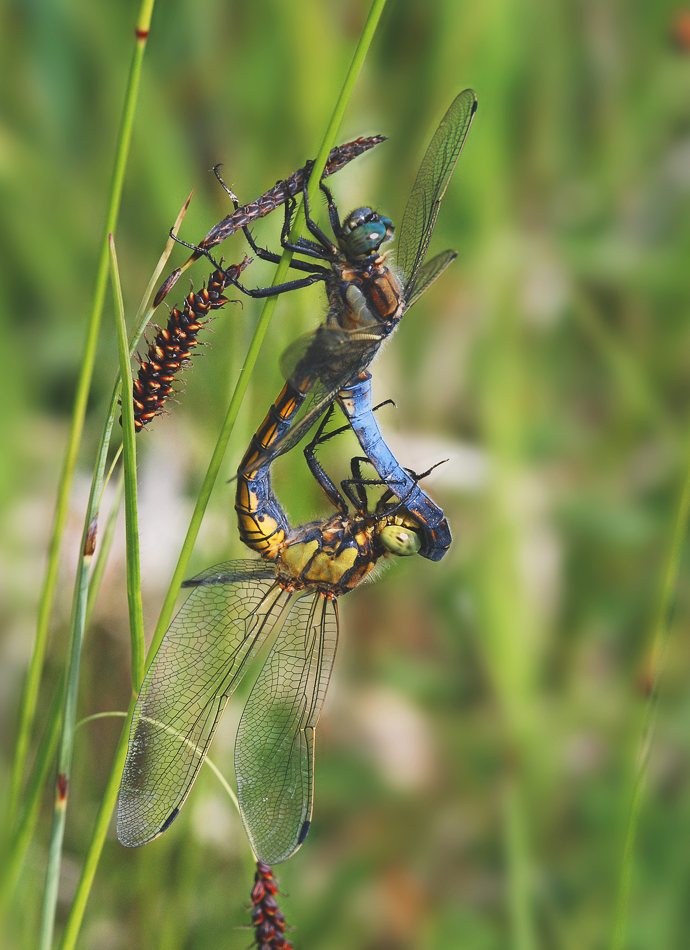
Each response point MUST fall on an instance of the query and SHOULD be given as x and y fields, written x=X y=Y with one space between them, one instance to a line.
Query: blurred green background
x=482 y=724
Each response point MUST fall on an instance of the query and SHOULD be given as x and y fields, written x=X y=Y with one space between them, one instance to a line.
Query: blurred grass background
x=482 y=725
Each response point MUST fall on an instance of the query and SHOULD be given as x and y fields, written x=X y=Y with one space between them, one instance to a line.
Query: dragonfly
x=356 y=404
x=367 y=298
x=285 y=604
x=282 y=192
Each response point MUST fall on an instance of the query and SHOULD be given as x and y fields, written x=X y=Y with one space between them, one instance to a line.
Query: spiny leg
x=332 y=211
x=330 y=435
x=313 y=226
x=260 y=292
x=355 y=488
x=315 y=467
x=265 y=255
x=383 y=503
x=317 y=470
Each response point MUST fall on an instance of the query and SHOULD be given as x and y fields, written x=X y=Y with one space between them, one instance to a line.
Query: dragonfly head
x=363 y=232
x=400 y=536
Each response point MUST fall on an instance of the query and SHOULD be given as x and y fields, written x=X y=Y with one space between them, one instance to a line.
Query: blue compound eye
x=364 y=231
x=366 y=239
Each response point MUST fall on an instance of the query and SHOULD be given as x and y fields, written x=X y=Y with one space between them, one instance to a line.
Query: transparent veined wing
x=274 y=751
x=331 y=358
x=429 y=188
x=203 y=656
x=428 y=273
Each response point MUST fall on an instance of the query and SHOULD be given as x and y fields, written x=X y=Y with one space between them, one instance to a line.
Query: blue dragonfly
x=356 y=404
x=367 y=298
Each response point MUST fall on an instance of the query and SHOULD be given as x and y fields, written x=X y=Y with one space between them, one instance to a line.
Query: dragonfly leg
x=193 y=247
x=302 y=245
x=314 y=228
x=315 y=467
x=267 y=255
x=419 y=477
x=231 y=195
x=348 y=426
x=318 y=273
x=261 y=292
x=384 y=505
x=355 y=487
x=263 y=252
x=386 y=402
x=332 y=211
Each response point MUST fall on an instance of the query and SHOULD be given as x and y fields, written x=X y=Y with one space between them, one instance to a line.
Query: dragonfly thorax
x=363 y=232
x=333 y=556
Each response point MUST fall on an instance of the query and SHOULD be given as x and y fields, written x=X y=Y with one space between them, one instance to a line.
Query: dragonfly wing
x=325 y=361
x=200 y=661
x=430 y=186
x=429 y=272
x=274 y=752
x=330 y=356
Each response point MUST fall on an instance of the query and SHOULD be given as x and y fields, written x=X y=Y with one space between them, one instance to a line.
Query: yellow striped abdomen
x=263 y=524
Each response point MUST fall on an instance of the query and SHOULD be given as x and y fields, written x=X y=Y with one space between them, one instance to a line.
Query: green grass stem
x=136 y=616
x=30 y=695
x=28 y=816
x=76 y=914
x=77 y=628
x=104 y=548
x=45 y=757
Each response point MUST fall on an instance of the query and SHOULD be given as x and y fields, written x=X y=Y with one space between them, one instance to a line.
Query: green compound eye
x=400 y=540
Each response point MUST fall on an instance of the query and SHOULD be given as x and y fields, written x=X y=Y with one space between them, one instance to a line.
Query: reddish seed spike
x=267 y=919
x=171 y=349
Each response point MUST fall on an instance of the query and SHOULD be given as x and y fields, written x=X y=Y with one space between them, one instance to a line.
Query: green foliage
x=475 y=763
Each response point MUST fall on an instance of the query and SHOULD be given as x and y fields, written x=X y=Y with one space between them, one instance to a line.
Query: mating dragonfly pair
x=286 y=603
